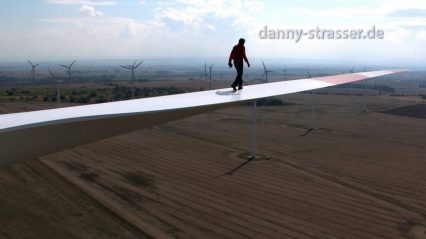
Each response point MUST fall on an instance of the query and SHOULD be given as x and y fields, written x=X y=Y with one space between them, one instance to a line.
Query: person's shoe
x=233 y=87
x=240 y=88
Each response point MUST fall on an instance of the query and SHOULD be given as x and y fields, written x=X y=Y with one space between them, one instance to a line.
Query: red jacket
x=238 y=53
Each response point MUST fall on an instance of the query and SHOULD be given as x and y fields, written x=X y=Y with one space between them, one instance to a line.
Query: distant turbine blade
x=127 y=67
x=73 y=63
x=264 y=67
x=51 y=73
x=134 y=63
x=30 y=63
x=138 y=64
x=64 y=66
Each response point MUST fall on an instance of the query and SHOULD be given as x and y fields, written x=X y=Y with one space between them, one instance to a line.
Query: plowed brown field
x=356 y=176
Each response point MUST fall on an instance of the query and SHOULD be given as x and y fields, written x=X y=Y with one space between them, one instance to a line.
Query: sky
x=118 y=29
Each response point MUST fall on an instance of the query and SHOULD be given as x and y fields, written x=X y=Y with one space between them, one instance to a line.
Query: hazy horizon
x=220 y=63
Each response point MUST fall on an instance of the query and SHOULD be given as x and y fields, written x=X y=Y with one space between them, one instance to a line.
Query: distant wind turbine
x=285 y=72
x=204 y=75
x=69 y=74
x=58 y=87
x=33 y=70
x=313 y=109
x=132 y=68
x=365 y=99
x=210 y=69
x=352 y=86
x=266 y=72
x=205 y=70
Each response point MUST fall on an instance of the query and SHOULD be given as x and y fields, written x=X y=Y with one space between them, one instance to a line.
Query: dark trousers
x=239 y=66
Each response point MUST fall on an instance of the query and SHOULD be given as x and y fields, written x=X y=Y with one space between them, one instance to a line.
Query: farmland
x=358 y=175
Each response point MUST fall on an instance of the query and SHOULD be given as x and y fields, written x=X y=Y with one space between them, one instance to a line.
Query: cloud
x=203 y=13
x=414 y=27
x=90 y=11
x=83 y=2
x=409 y=13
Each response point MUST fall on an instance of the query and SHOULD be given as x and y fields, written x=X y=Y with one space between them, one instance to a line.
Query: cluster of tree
x=85 y=95
x=11 y=92
x=5 y=79
x=271 y=102
x=383 y=88
x=124 y=92
x=53 y=98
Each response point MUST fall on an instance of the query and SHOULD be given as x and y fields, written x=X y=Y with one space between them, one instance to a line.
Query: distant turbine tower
x=285 y=72
x=204 y=75
x=365 y=99
x=205 y=70
x=210 y=69
x=132 y=68
x=69 y=75
x=266 y=72
x=313 y=109
x=352 y=88
x=58 y=87
x=33 y=70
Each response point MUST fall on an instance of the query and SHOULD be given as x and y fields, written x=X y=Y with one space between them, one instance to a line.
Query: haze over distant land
x=196 y=65
x=48 y=30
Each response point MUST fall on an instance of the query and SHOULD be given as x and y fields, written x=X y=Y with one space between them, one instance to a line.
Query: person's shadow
x=227 y=92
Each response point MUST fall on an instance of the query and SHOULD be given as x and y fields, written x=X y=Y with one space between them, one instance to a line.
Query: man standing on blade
x=238 y=54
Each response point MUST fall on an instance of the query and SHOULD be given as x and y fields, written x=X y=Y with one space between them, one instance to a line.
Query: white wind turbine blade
x=138 y=64
x=127 y=67
x=28 y=135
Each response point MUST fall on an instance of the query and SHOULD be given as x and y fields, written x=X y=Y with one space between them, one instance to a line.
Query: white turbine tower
x=132 y=68
x=210 y=70
x=58 y=87
x=204 y=75
x=365 y=99
x=265 y=72
x=33 y=70
x=285 y=72
x=352 y=88
x=68 y=67
x=313 y=109
x=205 y=70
